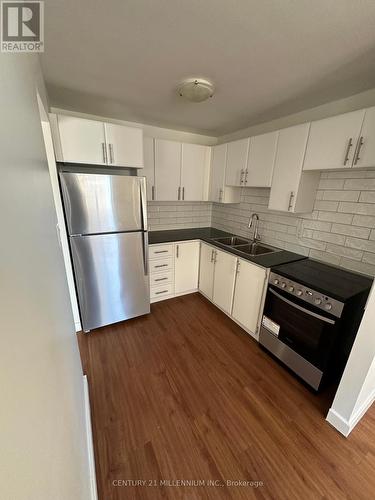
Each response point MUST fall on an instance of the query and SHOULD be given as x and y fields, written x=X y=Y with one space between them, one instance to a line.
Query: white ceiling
x=268 y=58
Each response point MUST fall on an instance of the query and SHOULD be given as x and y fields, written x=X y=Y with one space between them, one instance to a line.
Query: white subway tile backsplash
x=357 y=208
x=367 y=197
x=360 y=267
x=369 y=258
x=331 y=183
x=364 y=221
x=367 y=245
x=340 y=195
x=325 y=256
x=329 y=206
x=358 y=232
x=337 y=239
x=340 y=231
x=318 y=225
x=361 y=184
x=335 y=217
x=345 y=252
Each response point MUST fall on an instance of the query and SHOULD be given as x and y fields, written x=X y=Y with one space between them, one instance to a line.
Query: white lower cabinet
x=248 y=295
x=235 y=285
x=186 y=267
x=206 y=270
x=224 y=278
x=174 y=269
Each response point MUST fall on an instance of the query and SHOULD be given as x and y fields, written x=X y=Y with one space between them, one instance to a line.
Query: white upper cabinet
x=332 y=141
x=82 y=141
x=186 y=267
x=292 y=190
x=194 y=172
x=364 y=153
x=167 y=170
x=218 y=163
x=97 y=143
x=248 y=295
x=225 y=273
x=236 y=162
x=125 y=145
x=261 y=160
x=149 y=166
x=219 y=192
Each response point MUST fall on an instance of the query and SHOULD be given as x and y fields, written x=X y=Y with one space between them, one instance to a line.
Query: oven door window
x=308 y=335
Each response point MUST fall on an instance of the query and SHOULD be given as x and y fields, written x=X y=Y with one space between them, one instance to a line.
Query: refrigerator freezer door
x=112 y=277
x=100 y=203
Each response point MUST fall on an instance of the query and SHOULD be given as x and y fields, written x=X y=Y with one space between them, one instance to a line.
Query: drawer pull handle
x=161 y=251
x=162 y=291
x=162 y=265
x=161 y=279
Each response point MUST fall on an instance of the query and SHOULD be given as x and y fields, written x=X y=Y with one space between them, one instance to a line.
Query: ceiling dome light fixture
x=196 y=89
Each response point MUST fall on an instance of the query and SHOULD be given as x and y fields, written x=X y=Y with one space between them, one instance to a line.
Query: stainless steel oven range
x=311 y=316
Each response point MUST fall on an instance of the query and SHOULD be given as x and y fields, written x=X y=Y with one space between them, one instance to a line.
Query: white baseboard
x=338 y=422
x=346 y=426
x=356 y=417
x=90 y=444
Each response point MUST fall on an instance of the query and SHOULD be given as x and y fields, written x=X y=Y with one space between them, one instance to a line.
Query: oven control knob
x=276 y=281
x=291 y=288
x=283 y=284
x=299 y=293
x=328 y=306
x=318 y=301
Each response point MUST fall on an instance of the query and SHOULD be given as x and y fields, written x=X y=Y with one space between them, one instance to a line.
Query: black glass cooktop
x=332 y=281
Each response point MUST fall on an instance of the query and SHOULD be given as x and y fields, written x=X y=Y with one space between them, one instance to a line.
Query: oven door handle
x=310 y=313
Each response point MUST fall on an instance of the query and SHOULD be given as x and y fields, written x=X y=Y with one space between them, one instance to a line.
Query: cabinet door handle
x=162 y=265
x=161 y=251
x=238 y=267
x=153 y=193
x=246 y=174
x=212 y=255
x=220 y=195
x=179 y=193
x=104 y=151
x=215 y=258
x=177 y=251
x=358 y=150
x=183 y=193
x=241 y=176
x=291 y=199
x=350 y=144
x=162 y=291
x=111 y=153
x=161 y=279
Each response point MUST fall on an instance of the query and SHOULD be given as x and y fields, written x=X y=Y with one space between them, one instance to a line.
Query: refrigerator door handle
x=145 y=252
x=143 y=202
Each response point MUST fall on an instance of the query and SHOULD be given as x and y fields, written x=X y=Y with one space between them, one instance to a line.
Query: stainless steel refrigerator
x=107 y=225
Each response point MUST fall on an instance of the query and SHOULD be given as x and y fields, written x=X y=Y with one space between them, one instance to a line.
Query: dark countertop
x=338 y=283
x=208 y=233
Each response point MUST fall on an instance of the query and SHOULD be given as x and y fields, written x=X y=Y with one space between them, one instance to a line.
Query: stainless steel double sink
x=245 y=246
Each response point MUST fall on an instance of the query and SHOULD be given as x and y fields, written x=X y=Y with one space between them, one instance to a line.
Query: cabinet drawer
x=159 y=292
x=161 y=265
x=158 y=251
x=161 y=278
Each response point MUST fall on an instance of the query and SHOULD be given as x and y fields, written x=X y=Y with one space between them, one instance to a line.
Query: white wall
x=363 y=100
x=48 y=142
x=148 y=130
x=356 y=391
x=43 y=446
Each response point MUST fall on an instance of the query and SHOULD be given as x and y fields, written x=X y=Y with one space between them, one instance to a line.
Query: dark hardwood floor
x=185 y=394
